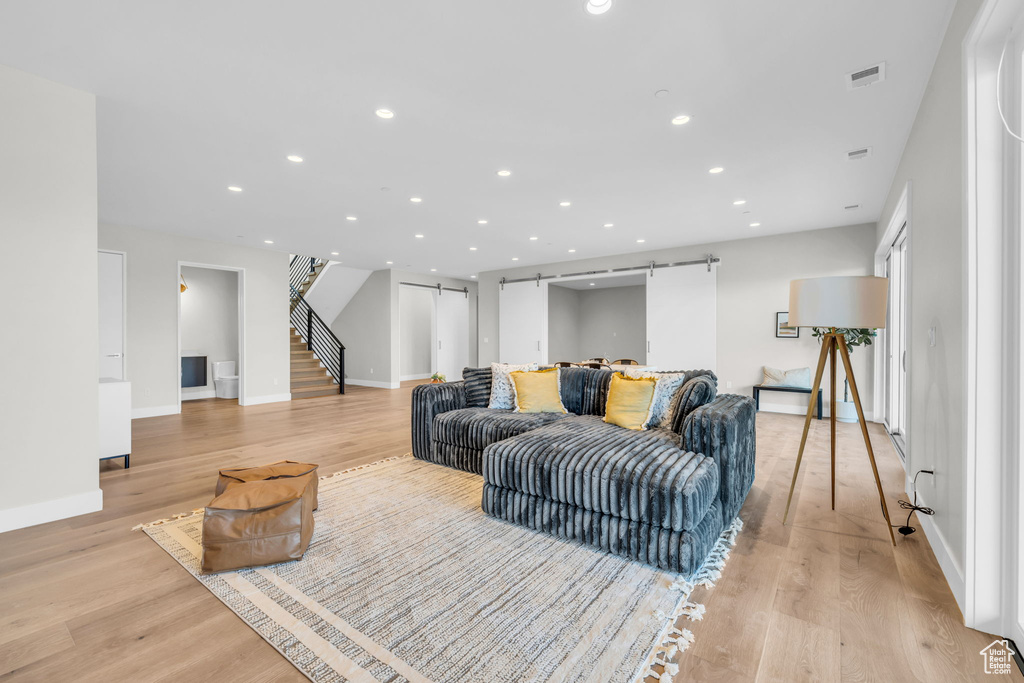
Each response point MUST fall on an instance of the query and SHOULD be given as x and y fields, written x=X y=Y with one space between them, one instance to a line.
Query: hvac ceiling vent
x=865 y=77
x=851 y=207
x=858 y=154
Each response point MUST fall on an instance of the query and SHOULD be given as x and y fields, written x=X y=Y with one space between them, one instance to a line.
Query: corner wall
x=753 y=284
x=151 y=353
x=49 y=361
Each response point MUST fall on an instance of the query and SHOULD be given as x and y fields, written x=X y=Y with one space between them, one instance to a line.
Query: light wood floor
x=824 y=599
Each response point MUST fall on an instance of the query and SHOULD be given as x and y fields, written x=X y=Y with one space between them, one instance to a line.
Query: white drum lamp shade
x=844 y=301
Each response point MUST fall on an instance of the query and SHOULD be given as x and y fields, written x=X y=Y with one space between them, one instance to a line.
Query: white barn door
x=452 y=327
x=682 y=319
x=523 y=323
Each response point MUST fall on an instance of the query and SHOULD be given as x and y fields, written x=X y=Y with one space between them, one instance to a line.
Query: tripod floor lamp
x=837 y=303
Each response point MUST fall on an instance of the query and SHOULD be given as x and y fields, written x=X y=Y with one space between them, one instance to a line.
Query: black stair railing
x=319 y=338
x=301 y=267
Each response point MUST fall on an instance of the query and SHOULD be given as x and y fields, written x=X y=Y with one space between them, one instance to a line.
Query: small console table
x=758 y=388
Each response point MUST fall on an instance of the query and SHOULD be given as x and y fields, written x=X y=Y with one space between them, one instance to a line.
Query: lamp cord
x=906 y=529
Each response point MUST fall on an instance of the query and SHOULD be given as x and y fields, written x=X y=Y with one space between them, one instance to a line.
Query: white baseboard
x=272 y=398
x=155 y=411
x=406 y=378
x=800 y=410
x=371 y=383
x=196 y=395
x=953 y=573
x=51 y=510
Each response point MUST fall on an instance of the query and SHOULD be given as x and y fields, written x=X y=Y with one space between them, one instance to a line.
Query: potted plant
x=846 y=411
x=437 y=378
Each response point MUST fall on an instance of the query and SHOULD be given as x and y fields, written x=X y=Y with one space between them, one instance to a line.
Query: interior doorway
x=433 y=331
x=210 y=333
x=598 y=318
x=112 y=314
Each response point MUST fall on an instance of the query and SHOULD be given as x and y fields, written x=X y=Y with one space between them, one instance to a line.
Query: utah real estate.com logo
x=998 y=657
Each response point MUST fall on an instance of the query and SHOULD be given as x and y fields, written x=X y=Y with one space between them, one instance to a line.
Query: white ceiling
x=194 y=96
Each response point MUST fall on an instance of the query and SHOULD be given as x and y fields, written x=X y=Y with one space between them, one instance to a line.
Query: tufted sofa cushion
x=476 y=428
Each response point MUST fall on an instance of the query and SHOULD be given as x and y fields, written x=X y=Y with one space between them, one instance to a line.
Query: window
x=896 y=341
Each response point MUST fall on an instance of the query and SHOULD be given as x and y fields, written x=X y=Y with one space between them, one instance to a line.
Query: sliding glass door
x=896 y=342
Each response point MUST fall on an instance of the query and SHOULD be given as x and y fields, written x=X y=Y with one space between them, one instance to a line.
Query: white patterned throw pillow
x=503 y=396
x=661 y=405
x=798 y=377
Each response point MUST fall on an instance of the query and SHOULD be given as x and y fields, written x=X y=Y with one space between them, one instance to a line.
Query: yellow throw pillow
x=537 y=391
x=629 y=401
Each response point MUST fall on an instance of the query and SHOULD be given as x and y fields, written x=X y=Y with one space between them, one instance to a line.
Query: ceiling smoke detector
x=858 y=154
x=865 y=77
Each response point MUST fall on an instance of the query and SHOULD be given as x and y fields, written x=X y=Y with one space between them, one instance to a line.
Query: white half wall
x=333 y=288
x=151 y=354
x=49 y=361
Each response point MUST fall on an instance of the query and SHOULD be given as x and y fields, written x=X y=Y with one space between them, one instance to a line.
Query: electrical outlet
x=486 y=340
x=371 y=371
x=148 y=391
x=275 y=381
x=728 y=385
x=931 y=336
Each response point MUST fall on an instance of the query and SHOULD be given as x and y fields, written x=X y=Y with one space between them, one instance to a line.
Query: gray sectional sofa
x=661 y=496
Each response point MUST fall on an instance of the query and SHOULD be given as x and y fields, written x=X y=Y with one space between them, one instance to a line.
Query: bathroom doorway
x=210 y=333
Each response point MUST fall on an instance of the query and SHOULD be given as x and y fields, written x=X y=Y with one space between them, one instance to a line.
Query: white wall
x=50 y=343
x=933 y=162
x=209 y=321
x=333 y=288
x=151 y=355
x=416 y=327
x=753 y=284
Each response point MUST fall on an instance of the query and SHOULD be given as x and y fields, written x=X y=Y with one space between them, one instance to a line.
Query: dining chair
x=563 y=364
x=624 y=361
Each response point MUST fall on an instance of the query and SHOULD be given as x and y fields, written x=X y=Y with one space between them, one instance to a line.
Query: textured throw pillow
x=502 y=395
x=629 y=401
x=478 y=386
x=798 y=377
x=538 y=391
x=662 y=406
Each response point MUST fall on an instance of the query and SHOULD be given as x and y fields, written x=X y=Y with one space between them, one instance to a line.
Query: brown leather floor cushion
x=277 y=470
x=257 y=523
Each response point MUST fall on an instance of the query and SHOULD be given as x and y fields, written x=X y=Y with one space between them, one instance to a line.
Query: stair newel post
x=309 y=328
x=341 y=369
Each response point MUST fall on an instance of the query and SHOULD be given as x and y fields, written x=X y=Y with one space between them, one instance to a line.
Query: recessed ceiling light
x=473 y=276
x=385 y=113
x=433 y=270
x=419 y=237
x=661 y=93
x=597 y=6
x=755 y=225
x=515 y=258
x=334 y=253
x=472 y=248
x=640 y=241
x=609 y=225
x=389 y=262
x=565 y=203
x=293 y=157
x=739 y=202
x=572 y=251
x=268 y=241
x=504 y=173
x=680 y=120
x=234 y=188
x=533 y=239
x=350 y=218
x=482 y=222
x=415 y=200
x=716 y=169
x=593 y=284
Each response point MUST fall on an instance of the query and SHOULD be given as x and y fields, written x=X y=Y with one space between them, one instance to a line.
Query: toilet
x=225 y=379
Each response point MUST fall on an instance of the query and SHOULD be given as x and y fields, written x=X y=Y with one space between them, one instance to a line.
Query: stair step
x=307 y=372
x=305 y=363
x=315 y=381
x=300 y=353
x=312 y=392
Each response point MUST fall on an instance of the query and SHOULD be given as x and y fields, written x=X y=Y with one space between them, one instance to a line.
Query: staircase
x=309 y=377
x=317 y=355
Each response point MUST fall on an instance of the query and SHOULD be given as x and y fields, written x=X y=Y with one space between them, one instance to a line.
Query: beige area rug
x=406 y=579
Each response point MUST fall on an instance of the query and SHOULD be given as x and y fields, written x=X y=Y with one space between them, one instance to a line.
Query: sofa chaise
x=659 y=496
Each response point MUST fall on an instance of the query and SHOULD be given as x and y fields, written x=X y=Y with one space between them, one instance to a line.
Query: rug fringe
x=182 y=515
x=175 y=518
x=362 y=467
x=673 y=640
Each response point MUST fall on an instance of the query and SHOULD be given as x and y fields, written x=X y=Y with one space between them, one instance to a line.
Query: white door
x=682 y=318
x=452 y=326
x=111 y=311
x=523 y=323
